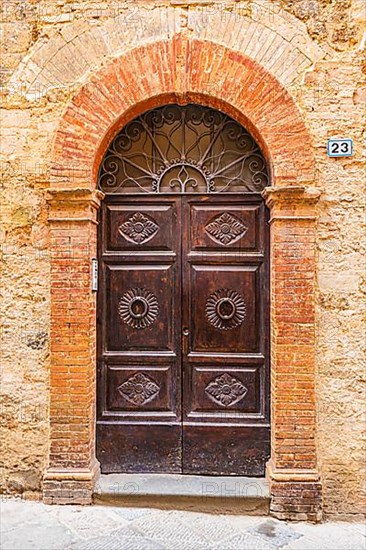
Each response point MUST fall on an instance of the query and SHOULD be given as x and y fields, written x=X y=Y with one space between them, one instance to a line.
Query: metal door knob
x=185 y=332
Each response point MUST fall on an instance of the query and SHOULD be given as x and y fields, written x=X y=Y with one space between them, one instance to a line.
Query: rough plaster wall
x=341 y=296
x=330 y=92
x=333 y=104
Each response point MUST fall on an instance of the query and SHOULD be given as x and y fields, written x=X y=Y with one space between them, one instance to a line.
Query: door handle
x=185 y=333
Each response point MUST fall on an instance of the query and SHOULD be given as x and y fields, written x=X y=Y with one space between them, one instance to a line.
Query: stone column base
x=295 y=495
x=70 y=486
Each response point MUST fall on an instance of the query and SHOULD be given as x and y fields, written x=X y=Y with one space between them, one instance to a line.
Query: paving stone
x=34 y=526
x=243 y=523
x=125 y=540
x=131 y=514
x=324 y=530
x=355 y=527
x=17 y=512
x=46 y=534
x=310 y=544
x=214 y=529
x=275 y=533
x=328 y=536
x=90 y=521
x=244 y=541
x=170 y=531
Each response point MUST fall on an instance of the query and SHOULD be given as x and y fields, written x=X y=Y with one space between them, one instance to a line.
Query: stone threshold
x=219 y=494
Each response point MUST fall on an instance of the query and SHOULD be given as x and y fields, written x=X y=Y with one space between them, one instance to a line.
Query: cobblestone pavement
x=32 y=525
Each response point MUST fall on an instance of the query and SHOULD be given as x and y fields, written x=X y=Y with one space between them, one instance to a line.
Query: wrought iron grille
x=183 y=149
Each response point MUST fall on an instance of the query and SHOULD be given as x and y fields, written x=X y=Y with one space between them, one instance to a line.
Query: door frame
x=276 y=123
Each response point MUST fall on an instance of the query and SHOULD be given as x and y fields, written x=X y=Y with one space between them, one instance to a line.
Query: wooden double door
x=183 y=334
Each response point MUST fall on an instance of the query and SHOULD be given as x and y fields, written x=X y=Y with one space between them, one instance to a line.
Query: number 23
x=342 y=147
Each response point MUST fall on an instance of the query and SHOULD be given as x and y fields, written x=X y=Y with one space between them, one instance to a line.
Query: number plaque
x=340 y=147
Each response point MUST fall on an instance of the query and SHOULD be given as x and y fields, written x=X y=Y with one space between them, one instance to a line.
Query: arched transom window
x=183 y=149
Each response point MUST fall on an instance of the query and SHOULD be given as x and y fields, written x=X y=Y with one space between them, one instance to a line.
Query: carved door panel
x=139 y=369
x=183 y=319
x=225 y=323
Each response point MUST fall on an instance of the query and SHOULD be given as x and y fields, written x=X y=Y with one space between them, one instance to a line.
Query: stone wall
x=314 y=48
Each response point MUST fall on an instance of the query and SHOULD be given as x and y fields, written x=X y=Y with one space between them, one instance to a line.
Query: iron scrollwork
x=183 y=149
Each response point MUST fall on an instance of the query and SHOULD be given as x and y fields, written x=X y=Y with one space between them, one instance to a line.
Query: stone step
x=224 y=494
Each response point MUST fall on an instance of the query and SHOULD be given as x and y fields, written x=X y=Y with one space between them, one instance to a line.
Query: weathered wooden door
x=183 y=313
x=225 y=335
x=139 y=388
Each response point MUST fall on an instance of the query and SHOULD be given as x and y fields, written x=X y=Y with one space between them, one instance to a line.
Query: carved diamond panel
x=138 y=228
x=139 y=389
x=225 y=309
x=225 y=229
x=226 y=390
x=138 y=308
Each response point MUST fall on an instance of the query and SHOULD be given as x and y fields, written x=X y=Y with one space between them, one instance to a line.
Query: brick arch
x=183 y=70
x=263 y=31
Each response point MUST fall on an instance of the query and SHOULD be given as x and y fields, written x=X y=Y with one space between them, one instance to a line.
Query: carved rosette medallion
x=138 y=308
x=226 y=390
x=138 y=228
x=225 y=309
x=139 y=389
x=225 y=229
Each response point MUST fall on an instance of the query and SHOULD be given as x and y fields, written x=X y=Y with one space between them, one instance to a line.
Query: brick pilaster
x=293 y=474
x=72 y=467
